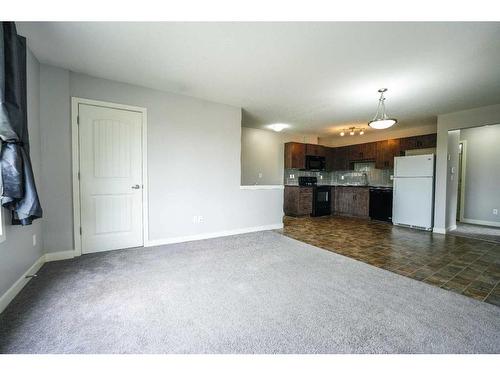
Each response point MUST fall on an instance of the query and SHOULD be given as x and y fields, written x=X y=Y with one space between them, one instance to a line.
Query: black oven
x=315 y=163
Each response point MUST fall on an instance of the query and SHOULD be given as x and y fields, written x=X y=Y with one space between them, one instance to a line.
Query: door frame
x=462 y=177
x=75 y=166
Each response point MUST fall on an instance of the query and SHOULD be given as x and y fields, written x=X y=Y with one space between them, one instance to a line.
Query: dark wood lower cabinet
x=351 y=201
x=298 y=200
x=346 y=201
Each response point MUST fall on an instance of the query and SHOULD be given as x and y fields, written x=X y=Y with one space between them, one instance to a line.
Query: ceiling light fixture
x=352 y=131
x=278 y=127
x=381 y=120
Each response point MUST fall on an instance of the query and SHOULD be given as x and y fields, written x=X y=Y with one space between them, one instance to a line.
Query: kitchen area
x=352 y=181
x=374 y=202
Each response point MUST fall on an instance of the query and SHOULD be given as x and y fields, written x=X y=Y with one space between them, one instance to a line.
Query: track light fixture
x=352 y=131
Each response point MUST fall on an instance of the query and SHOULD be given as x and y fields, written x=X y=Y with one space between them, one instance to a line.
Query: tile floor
x=463 y=265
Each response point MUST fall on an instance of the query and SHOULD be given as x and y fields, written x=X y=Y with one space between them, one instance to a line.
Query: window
x=2 y=226
x=2 y=213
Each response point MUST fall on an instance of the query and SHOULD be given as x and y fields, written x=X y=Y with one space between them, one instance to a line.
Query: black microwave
x=315 y=163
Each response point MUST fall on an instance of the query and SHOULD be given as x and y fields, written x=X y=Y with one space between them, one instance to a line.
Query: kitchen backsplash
x=363 y=174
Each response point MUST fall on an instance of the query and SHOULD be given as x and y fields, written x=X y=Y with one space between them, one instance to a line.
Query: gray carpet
x=253 y=293
x=479 y=232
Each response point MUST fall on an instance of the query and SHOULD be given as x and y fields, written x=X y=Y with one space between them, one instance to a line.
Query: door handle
x=136 y=186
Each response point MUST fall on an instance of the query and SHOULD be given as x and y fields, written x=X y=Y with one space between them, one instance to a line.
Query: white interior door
x=111 y=185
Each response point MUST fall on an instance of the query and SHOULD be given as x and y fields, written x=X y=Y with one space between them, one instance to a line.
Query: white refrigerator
x=413 y=194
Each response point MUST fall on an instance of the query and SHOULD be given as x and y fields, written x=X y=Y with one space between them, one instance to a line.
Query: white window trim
x=2 y=213
x=2 y=225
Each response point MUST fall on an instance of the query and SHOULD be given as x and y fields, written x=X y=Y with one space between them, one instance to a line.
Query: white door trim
x=75 y=102
x=462 y=174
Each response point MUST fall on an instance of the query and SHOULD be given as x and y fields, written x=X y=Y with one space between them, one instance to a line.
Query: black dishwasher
x=322 y=198
x=381 y=203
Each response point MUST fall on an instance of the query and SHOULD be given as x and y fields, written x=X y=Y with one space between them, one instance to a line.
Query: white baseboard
x=451 y=227
x=9 y=295
x=439 y=230
x=481 y=222
x=59 y=255
x=204 y=236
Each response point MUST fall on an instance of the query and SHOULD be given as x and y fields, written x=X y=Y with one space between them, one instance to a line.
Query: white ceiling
x=315 y=76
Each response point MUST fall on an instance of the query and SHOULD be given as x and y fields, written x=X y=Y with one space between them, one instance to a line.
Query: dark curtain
x=19 y=193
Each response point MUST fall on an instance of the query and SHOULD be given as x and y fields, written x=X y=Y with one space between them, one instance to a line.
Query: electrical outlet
x=342 y=177
x=198 y=219
x=34 y=240
x=260 y=175
x=495 y=211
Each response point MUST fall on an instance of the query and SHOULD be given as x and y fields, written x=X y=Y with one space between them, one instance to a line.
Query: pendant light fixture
x=381 y=120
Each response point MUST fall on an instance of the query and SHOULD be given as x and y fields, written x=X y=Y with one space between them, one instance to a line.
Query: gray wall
x=445 y=205
x=56 y=164
x=17 y=252
x=482 y=178
x=262 y=151
x=194 y=149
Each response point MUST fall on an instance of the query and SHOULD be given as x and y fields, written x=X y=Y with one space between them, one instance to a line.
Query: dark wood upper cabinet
x=370 y=151
x=409 y=143
x=330 y=159
x=315 y=150
x=386 y=151
x=295 y=155
x=342 y=158
x=363 y=151
x=355 y=152
x=427 y=141
x=419 y=141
